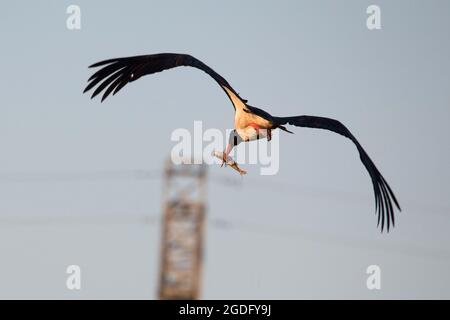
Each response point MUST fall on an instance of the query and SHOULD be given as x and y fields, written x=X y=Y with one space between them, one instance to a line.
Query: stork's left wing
x=383 y=193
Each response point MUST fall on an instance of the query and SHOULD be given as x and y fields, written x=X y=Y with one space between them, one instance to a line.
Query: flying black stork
x=250 y=123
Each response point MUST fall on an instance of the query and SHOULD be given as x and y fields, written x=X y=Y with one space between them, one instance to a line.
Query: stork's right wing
x=116 y=73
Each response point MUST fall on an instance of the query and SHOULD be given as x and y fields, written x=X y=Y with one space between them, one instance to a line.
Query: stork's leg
x=269 y=134
x=225 y=154
x=224 y=160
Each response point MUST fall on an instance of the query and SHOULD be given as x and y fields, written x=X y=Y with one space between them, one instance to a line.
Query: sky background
x=308 y=231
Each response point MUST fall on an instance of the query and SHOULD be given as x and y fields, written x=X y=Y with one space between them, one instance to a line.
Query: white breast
x=249 y=133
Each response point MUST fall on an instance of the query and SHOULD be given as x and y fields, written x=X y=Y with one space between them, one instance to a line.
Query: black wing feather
x=116 y=73
x=383 y=193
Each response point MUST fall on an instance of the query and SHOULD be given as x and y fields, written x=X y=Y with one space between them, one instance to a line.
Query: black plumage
x=383 y=192
x=116 y=73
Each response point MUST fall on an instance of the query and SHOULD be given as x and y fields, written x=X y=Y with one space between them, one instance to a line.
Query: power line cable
x=282 y=187
x=222 y=224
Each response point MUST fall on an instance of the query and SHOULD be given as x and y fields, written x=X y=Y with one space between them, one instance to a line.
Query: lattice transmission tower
x=182 y=231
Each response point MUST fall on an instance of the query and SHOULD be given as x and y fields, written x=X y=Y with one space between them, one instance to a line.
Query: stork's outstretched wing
x=383 y=193
x=116 y=73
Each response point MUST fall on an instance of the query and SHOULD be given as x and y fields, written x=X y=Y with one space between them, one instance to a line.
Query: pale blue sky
x=307 y=232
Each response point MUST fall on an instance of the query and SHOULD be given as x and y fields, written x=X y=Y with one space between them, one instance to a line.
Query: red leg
x=225 y=154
